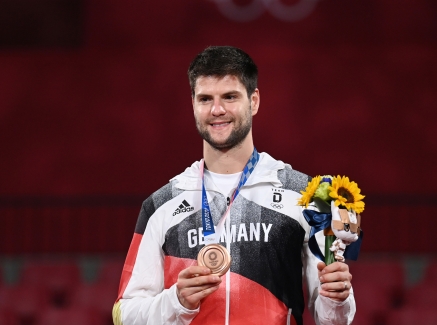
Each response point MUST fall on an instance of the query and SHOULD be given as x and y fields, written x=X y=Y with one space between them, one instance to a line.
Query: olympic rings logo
x=276 y=206
x=212 y=256
x=253 y=10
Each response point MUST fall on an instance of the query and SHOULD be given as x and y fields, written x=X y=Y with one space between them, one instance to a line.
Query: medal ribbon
x=207 y=222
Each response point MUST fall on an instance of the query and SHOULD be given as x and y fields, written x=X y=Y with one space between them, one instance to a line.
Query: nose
x=217 y=109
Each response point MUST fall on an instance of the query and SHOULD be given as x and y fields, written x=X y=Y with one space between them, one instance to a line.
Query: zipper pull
x=228 y=201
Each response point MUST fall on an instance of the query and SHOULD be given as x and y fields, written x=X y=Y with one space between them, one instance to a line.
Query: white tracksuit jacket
x=266 y=235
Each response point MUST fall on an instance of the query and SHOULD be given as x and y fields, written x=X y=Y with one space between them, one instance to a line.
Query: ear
x=254 y=101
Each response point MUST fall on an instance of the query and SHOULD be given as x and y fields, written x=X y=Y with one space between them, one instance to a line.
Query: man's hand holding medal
x=194 y=284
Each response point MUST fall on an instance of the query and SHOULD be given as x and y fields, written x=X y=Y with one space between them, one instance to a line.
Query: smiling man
x=224 y=242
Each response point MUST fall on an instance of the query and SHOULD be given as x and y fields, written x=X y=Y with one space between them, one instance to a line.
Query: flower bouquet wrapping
x=339 y=205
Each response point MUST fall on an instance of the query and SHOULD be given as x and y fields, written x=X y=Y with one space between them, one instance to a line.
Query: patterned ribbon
x=320 y=221
x=207 y=223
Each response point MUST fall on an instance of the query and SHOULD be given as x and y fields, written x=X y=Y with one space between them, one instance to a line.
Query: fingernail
x=321 y=279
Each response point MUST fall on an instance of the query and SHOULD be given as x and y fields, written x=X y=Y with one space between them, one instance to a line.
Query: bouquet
x=339 y=203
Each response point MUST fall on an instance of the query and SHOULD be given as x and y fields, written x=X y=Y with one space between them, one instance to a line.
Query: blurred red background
x=98 y=106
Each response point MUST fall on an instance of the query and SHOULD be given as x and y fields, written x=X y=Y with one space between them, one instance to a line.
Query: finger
x=335 y=272
x=190 y=297
x=198 y=291
x=335 y=290
x=337 y=266
x=321 y=266
x=333 y=277
x=334 y=267
x=198 y=281
x=193 y=271
x=336 y=295
x=336 y=286
x=336 y=277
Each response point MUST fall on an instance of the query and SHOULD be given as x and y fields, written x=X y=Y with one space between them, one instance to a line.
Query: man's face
x=222 y=110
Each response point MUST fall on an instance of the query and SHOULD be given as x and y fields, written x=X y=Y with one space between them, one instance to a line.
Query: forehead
x=213 y=84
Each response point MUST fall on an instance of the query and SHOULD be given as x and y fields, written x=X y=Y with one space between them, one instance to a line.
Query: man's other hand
x=335 y=280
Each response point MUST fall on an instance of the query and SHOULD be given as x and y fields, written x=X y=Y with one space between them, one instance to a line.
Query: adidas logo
x=184 y=207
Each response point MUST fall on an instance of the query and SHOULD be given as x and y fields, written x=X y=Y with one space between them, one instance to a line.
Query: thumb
x=321 y=266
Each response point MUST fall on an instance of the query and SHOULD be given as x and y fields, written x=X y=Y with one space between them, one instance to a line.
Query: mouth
x=219 y=124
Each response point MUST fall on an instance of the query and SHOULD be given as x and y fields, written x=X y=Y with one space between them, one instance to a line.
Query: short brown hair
x=220 y=61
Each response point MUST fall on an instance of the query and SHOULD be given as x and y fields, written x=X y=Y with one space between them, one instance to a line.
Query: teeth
x=221 y=124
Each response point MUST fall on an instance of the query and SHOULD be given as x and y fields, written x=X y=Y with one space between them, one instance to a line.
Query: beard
x=238 y=133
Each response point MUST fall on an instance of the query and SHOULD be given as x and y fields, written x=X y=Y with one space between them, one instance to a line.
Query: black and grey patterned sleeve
x=293 y=179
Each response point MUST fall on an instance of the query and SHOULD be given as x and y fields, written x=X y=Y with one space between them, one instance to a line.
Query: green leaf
x=322 y=191
x=322 y=205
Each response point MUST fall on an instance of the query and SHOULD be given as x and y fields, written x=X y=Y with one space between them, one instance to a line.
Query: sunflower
x=347 y=194
x=307 y=195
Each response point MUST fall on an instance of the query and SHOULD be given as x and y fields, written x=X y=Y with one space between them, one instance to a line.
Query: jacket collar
x=266 y=171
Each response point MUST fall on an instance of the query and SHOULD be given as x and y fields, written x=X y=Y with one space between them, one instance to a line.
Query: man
x=251 y=200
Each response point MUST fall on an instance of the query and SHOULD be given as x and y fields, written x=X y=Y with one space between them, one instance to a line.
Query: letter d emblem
x=277 y=197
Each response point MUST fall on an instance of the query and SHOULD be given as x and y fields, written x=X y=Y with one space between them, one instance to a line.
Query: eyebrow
x=232 y=92
x=203 y=95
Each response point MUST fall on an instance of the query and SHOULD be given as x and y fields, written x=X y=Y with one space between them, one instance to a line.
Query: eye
x=231 y=97
x=204 y=99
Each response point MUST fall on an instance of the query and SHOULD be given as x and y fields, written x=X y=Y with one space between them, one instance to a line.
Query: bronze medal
x=216 y=258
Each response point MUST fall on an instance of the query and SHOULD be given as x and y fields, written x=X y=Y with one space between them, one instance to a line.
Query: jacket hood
x=266 y=171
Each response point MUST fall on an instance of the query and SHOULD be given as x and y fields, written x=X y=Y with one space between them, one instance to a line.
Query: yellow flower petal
x=346 y=193
x=307 y=195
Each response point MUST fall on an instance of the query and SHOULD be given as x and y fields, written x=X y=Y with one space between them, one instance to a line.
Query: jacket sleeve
x=325 y=311
x=142 y=298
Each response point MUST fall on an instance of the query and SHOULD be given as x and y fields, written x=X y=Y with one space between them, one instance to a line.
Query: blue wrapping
x=318 y=221
x=352 y=250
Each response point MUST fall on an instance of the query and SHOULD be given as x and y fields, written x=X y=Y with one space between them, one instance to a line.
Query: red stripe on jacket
x=250 y=303
x=129 y=264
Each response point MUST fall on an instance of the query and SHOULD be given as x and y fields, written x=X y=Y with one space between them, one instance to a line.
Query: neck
x=228 y=161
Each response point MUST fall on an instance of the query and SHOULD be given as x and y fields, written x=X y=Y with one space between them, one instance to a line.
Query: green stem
x=329 y=256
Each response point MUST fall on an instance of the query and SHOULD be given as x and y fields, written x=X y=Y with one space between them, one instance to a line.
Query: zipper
x=228 y=274
x=289 y=317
